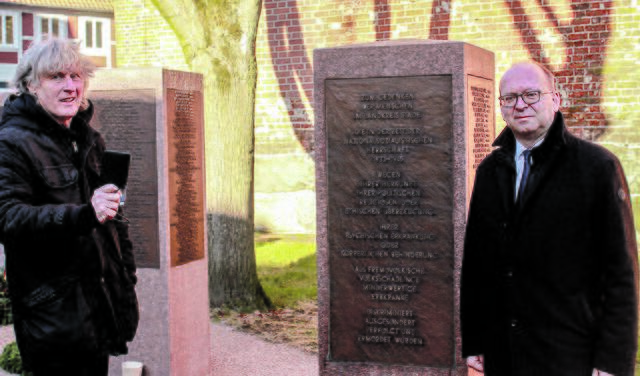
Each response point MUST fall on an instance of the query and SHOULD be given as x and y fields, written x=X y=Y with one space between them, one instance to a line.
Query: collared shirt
x=519 y=159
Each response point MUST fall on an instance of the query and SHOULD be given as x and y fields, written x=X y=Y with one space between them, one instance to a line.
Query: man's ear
x=557 y=100
x=32 y=89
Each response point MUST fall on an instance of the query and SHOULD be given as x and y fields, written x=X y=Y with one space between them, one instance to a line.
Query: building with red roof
x=25 y=21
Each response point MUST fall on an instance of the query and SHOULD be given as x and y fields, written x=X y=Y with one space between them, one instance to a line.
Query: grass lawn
x=287 y=269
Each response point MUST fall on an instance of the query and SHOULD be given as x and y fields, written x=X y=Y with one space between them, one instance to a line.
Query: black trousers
x=83 y=366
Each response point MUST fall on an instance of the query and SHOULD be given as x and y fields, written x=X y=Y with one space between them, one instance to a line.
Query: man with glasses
x=549 y=273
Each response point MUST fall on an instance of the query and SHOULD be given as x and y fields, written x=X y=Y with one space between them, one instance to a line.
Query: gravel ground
x=238 y=354
x=241 y=354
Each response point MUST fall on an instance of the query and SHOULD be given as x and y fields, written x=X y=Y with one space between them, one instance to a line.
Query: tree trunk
x=218 y=40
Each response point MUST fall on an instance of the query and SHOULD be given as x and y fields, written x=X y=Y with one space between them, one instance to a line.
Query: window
x=51 y=25
x=95 y=35
x=8 y=29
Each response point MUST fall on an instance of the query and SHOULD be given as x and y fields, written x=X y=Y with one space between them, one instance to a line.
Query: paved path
x=241 y=354
x=238 y=354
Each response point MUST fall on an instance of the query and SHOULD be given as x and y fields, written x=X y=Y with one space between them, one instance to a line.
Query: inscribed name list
x=186 y=175
x=390 y=225
x=480 y=103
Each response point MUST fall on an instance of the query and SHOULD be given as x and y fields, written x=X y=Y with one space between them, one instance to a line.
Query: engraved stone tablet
x=400 y=126
x=156 y=115
x=480 y=109
x=390 y=228
x=186 y=183
x=127 y=121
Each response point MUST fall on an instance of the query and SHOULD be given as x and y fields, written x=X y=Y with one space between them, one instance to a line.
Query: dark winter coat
x=549 y=285
x=71 y=279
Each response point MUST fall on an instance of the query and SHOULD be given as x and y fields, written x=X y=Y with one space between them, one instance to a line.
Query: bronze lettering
x=481 y=109
x=389 y=162
x=186 y=185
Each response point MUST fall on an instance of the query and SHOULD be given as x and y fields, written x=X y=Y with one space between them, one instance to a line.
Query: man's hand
x=600 y=373
x=105 y=202
x=476 y=362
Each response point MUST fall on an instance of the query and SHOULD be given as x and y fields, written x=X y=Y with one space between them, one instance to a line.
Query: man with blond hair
x=70 y=263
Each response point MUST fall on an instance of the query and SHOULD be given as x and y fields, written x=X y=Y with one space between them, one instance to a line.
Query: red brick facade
x=592 y=46
x=582 y=31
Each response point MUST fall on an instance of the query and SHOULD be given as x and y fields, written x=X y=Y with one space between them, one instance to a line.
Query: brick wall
x=592 y=46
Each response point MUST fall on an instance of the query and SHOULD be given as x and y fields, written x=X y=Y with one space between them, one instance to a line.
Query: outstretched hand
x=105 y=202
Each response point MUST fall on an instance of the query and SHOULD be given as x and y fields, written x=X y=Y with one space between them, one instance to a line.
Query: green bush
x=10 y=359
x=6 y=317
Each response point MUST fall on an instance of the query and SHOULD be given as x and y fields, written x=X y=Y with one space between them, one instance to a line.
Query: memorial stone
x=156 y=115
x=400 y=128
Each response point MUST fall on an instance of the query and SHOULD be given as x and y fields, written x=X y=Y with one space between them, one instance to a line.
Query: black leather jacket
x=49 y=228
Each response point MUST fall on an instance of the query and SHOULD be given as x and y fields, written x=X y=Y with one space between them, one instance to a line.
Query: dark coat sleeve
x=616 y=341
x=126 y=249
x=473 y=281
x=20 y=215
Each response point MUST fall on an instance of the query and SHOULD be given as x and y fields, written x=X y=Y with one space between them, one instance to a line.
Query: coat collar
x=556 y=138
x=24 y=111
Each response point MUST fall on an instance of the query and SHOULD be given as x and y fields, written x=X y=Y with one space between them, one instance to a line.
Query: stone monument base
x=400 y=127
x=156 y=115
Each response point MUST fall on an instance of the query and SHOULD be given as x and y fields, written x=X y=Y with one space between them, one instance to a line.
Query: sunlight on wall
x=599 y=91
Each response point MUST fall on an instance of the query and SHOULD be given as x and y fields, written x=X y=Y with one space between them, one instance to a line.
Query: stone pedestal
x=400 y=128
x=157 y=116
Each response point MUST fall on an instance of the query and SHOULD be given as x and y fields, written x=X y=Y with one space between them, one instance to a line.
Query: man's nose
x=520 y=104
x=68 y=83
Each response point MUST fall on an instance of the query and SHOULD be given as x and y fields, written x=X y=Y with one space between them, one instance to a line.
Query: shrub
x=6 y=317
x=10 y=359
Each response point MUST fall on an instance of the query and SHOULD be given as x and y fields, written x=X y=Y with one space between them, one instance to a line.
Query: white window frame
x=64 y=22
x=105 y=50
x=16 y=30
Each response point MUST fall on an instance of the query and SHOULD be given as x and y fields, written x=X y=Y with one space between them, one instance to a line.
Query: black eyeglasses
x=528 y=97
